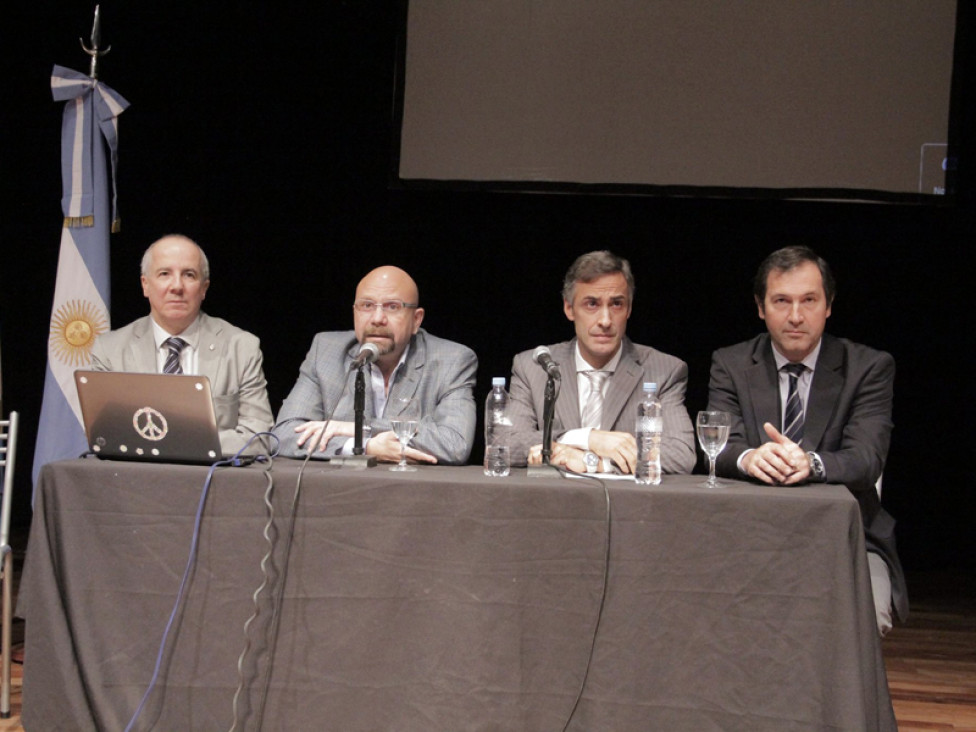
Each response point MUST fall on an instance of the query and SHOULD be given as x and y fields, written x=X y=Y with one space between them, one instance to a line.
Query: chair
x=8 y=453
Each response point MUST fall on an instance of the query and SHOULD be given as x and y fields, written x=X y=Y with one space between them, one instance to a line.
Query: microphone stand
x=359 y=460
x=548 y=408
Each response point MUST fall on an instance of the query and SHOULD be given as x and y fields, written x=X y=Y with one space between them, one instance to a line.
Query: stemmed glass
x=405 y=422
x=713 y=433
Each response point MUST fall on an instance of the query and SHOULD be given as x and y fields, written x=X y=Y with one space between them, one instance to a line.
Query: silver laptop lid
x=152 y=417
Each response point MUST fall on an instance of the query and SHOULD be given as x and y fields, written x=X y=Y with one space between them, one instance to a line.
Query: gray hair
x=591 y=265
x=147 y=256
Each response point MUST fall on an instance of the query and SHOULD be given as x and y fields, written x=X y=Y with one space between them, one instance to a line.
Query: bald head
x=390 y=328
x=392 y=280
x=175 y=239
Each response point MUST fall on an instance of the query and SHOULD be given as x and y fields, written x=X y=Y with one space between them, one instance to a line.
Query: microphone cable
x=271 y=636
x=235 y=461
x=603 y=590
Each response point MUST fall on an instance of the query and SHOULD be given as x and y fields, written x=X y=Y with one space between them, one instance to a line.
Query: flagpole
x=95 y=52
x=80 y=311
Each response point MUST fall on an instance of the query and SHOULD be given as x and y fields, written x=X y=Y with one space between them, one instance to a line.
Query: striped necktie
x=593 y=409
x=793 y=416
x=175 y=346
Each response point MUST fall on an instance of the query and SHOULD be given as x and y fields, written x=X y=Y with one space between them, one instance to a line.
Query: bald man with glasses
x=438 y=374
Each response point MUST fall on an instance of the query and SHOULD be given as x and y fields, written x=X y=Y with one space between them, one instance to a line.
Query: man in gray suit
x=176 y=337
x=598 y=294
x=437 y=373
x=831 y=399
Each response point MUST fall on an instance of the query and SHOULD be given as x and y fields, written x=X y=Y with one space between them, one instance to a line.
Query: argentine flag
x=81 y=293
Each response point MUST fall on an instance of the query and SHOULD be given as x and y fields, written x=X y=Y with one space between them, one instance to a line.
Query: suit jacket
x=230 y=357
x=623 y=392
x=437 y=372
x=847 y=422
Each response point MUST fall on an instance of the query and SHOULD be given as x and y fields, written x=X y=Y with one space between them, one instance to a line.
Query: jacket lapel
x=408 y=379
x=825 y=388
x=209 y=355
x=626 y=379
x=142 y=348
x=567 y=413
x=763 y=382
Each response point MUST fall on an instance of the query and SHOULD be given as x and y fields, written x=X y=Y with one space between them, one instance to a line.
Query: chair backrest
x=8 y=455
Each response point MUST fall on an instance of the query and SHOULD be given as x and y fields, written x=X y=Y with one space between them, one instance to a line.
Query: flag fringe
x=79 y=222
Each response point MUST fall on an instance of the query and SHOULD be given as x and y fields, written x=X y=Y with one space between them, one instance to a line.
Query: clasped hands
x=779 y=462
x=384 y=446
x=619 y=447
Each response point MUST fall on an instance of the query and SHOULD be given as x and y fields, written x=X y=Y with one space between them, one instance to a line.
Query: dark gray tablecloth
x=444 y=600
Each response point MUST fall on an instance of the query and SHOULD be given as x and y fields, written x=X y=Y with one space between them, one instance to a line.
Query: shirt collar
x=611 y=365
x=191 y=334
x=810 y=361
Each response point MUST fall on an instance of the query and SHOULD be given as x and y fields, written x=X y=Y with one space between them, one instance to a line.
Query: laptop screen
x=151 y=417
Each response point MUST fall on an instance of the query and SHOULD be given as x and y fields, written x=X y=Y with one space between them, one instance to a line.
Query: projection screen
x=827 y=97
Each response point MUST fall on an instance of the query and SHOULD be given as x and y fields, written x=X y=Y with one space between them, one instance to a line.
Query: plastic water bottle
x=648 y=432
x=497 y=429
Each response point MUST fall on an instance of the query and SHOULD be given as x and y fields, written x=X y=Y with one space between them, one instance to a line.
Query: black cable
x=272 y=635
x=187 y=571
x=603 y=591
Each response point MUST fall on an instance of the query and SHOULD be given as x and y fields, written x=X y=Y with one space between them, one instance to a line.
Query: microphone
x=542 y=357
x=368 y=353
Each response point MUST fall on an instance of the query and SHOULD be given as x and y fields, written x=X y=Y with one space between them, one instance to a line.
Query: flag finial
x=95 y=52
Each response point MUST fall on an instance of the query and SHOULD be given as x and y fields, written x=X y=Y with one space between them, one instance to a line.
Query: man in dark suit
x=808 y=407
x=437 y=373
x=175 y=279
x=598 y=294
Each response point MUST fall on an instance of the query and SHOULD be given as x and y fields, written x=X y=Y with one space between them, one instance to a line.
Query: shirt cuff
x=738 y=463
x=578 y=437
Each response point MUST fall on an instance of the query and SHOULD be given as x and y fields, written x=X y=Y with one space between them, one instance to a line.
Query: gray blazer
x=230 y=357
x=439 y=373
x=623 y=392
x=847 y=422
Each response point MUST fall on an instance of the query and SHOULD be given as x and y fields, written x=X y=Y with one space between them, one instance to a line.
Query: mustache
x=378 y=331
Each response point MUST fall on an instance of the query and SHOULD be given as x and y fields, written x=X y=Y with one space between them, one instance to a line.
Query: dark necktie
x=793 y=417
x=175 y=346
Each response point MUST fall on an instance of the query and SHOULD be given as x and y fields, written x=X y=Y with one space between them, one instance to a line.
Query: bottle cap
x=650 y=386
x=498 y=381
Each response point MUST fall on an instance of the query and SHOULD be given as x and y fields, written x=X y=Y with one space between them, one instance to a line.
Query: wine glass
x=405 y=420
x=713 y=433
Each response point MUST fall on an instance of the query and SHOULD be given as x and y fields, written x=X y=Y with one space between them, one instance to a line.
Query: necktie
x=175 y=346
x=793 y=417
x=593 y=409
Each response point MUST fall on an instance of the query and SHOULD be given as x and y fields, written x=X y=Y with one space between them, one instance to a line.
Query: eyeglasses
x=390 y=307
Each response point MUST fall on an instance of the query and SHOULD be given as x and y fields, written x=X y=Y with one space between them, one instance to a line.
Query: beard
x=387 y=345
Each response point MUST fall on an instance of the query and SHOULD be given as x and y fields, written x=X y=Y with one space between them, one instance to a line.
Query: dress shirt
x=380 y=394
x=802 y=385
x=189 y=356
x=580 y=436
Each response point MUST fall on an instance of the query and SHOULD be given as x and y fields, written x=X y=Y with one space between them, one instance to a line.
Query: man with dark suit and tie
x=601 y=374
x=176 y=337
x=809 y=407
x=436 y=373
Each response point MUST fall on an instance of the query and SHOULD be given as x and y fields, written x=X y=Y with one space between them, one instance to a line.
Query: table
x=445 y=600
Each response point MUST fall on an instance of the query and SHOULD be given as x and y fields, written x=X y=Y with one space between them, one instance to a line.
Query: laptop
x=166 y=418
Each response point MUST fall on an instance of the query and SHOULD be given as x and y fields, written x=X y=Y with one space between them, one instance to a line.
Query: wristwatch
x=817 y=471
x=592 y=461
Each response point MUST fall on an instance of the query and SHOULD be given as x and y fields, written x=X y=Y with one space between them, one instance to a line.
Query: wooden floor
x=931 y=660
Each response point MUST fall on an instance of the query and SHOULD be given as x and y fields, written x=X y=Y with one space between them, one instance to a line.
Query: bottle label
x=648 y=424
